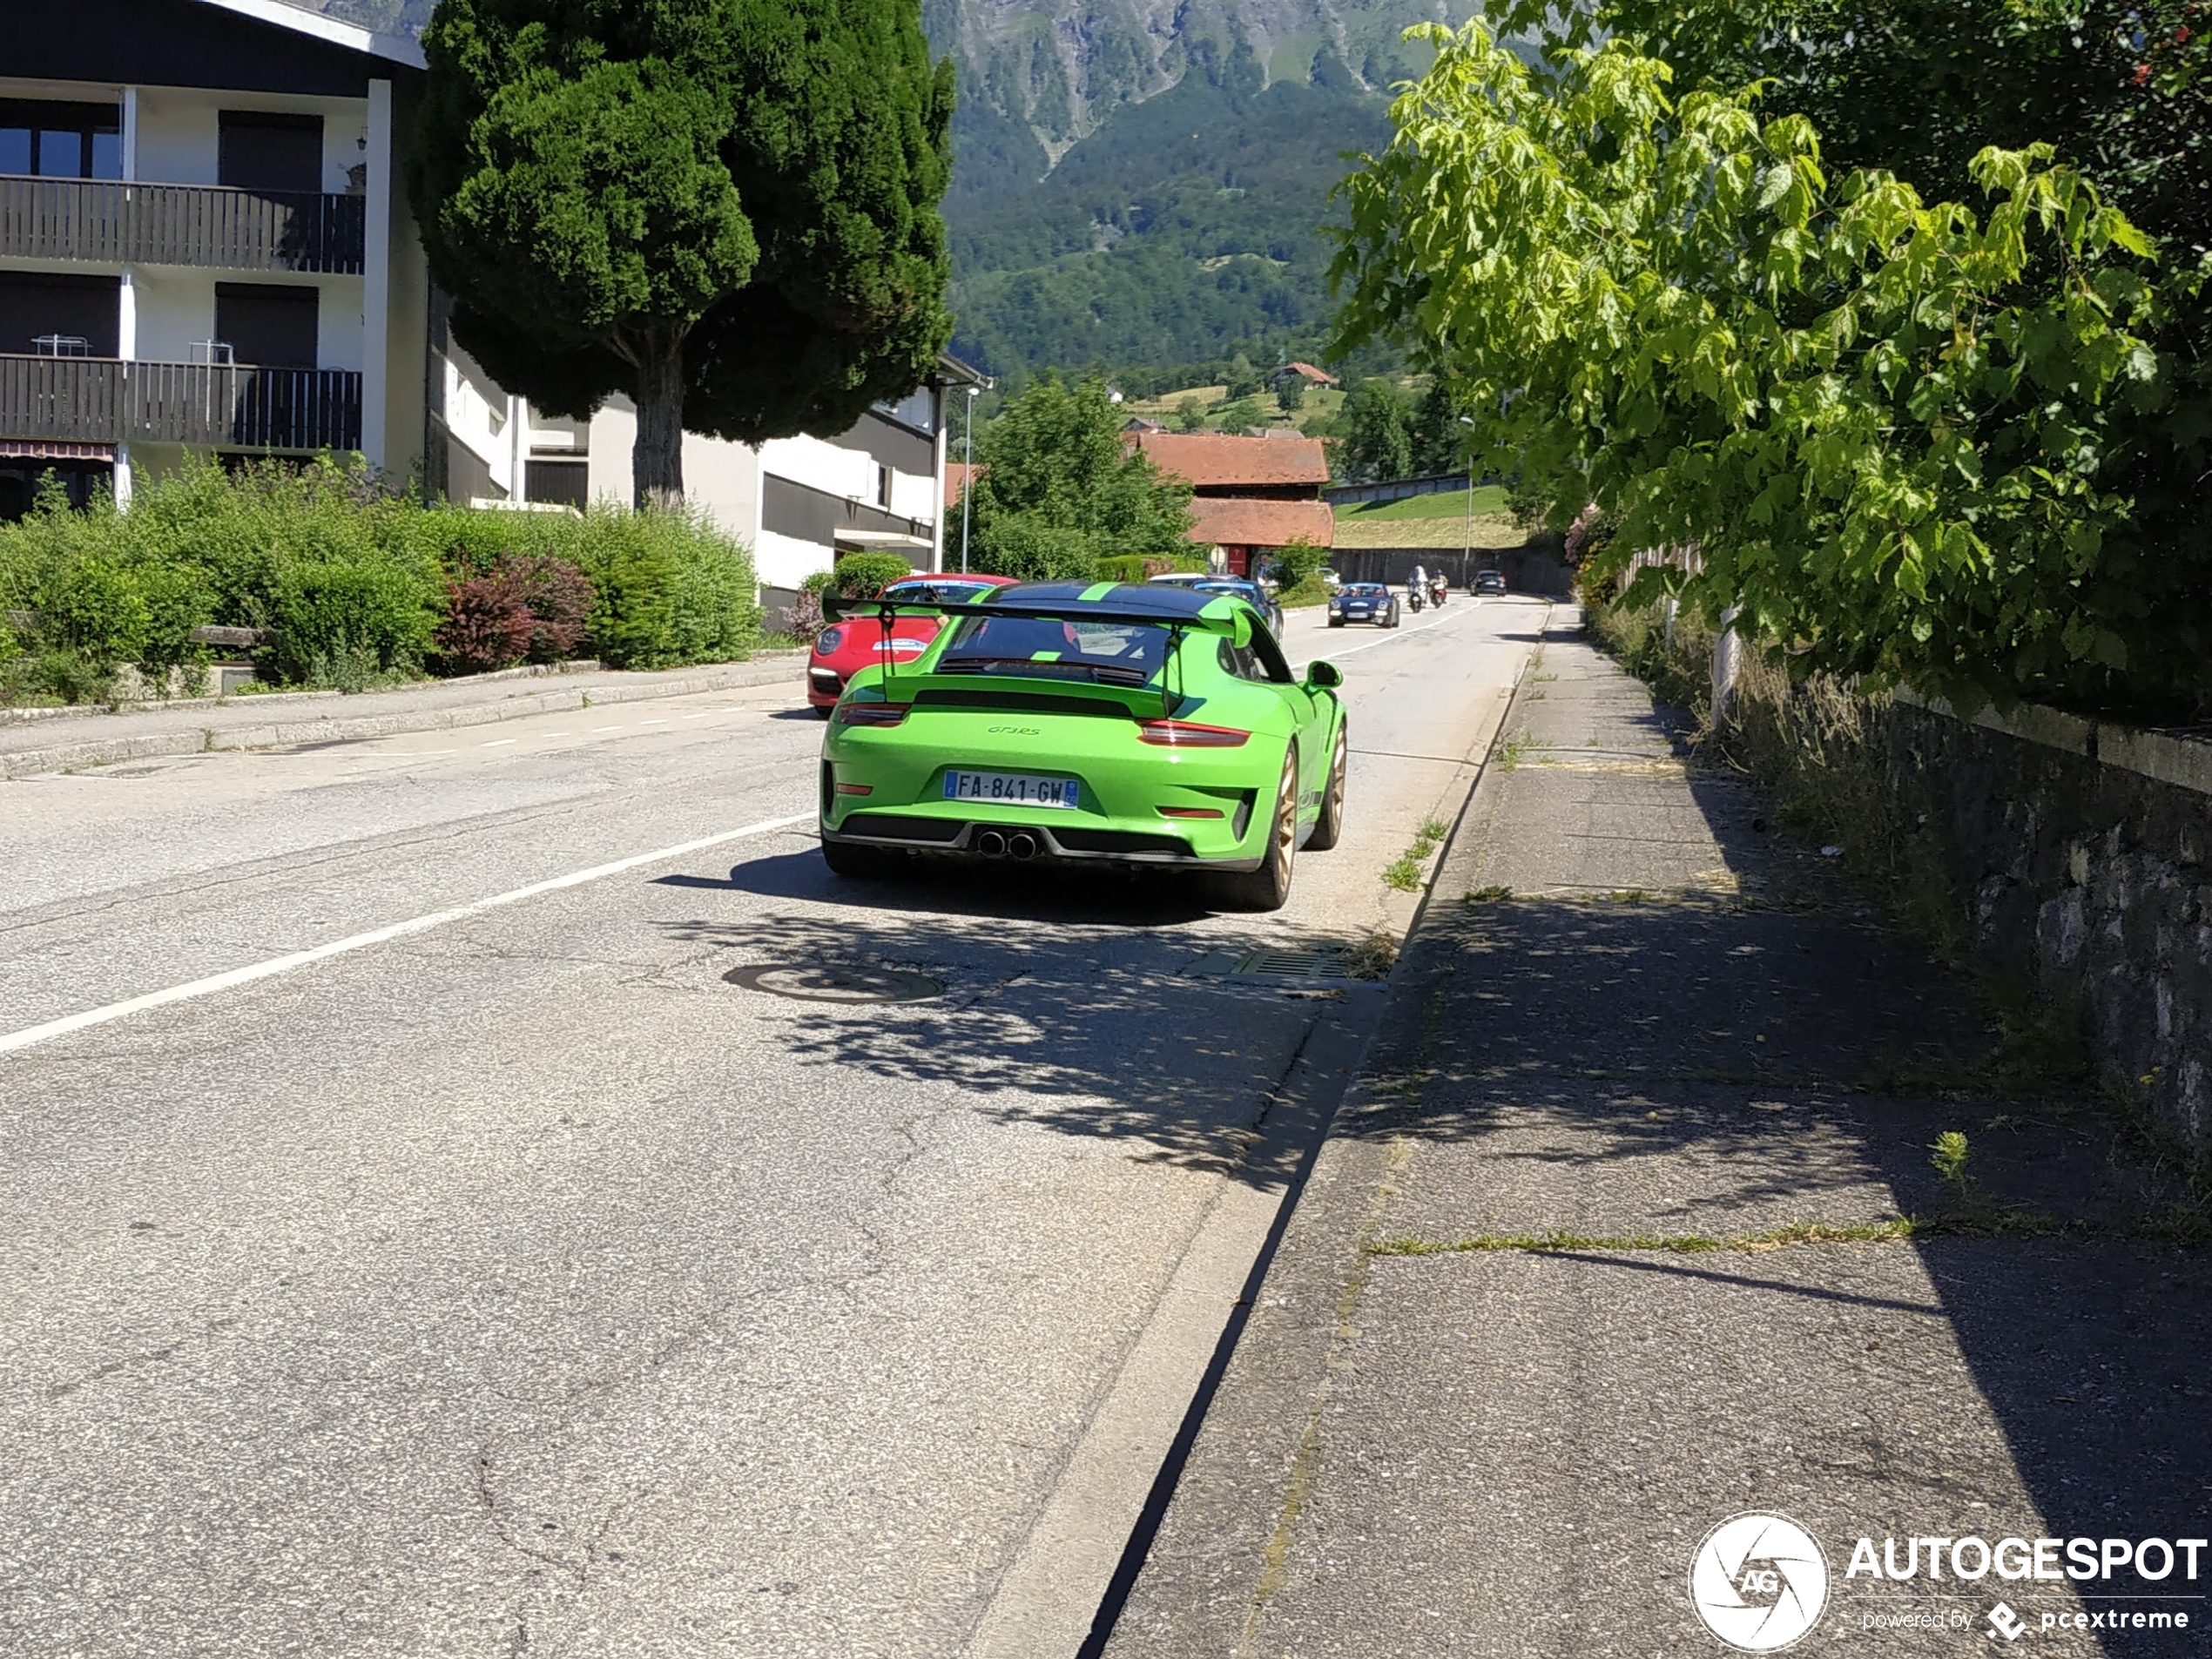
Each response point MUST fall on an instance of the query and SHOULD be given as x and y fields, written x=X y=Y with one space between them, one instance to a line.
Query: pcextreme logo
x=1758 y=1582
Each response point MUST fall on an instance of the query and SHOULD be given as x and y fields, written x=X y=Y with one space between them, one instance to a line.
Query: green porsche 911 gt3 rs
x=1127 y=724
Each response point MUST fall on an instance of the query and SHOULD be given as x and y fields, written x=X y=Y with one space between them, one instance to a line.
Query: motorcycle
x=1414 y=600
x=1436 y=595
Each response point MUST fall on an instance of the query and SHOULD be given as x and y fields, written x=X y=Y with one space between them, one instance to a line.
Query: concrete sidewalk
x=1491 y=1400
x=65 y=740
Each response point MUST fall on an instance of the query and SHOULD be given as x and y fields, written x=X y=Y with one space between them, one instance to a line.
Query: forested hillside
x=1185 y=228
x=1136 y=181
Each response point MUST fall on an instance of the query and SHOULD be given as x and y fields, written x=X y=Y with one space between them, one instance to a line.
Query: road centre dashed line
x=501 y=743
x=31 y=1035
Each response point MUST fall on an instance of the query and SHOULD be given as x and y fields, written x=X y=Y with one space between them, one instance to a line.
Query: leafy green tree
x=1440 y=440
x=1059 y=489
x=1918 y=87
x=1290 y=394
x=1892 y=429
x=1237 y=416
x=1244 y=379
x=726 y=209
x=1189 y=416
x=1376 y=423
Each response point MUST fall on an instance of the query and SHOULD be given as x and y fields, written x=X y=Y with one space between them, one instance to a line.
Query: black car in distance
x=1364 y=602
x=1489 y=582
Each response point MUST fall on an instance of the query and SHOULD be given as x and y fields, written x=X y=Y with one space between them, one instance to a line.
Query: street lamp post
x=1467 y=556
x=968 y=483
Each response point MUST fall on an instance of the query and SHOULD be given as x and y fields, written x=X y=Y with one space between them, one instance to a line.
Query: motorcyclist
x=1437 y=586
x=1416 y=589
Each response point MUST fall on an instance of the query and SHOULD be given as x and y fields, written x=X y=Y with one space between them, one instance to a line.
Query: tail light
x=1189 y=734
x=1191 y=812
x=852 y=713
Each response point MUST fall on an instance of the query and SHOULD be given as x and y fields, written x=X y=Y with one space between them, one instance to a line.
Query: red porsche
x=844 y=650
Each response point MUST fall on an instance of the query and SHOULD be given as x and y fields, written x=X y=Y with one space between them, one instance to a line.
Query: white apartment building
x=204 y=245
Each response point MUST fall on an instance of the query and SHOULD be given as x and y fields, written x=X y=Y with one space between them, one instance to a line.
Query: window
x=36 y=306
x=265 y=324
x=1113 y=653
x=1262 y=660
x=917 y=409
x=883 y=487
x=259 y=150
x=55 y=140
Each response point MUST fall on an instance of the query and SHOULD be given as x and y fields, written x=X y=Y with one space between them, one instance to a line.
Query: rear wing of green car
x=1235 y=625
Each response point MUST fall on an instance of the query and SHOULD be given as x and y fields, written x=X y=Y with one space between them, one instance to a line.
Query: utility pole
x=1467 y=556
x=968 y=483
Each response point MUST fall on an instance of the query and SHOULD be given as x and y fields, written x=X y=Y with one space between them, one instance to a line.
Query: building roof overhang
x=394 y=48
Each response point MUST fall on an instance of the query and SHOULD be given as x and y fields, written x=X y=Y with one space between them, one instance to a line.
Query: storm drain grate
x=817 y=982
x=1329 y=961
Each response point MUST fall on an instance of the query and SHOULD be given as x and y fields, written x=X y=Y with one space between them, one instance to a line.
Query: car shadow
x=1116 y=898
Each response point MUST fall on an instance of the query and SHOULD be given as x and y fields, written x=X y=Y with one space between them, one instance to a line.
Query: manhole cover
x=813 y=982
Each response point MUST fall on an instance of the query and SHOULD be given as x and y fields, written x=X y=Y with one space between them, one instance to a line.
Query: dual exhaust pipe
x=1019 y=845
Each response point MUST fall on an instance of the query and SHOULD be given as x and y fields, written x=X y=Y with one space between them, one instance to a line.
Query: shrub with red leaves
x=558 y=597
x=528 y=607
x=488 y=624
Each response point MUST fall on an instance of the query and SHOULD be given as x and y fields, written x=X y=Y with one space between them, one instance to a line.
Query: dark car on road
x=1238 y=587
x=1364 y=602
x=1489 y=582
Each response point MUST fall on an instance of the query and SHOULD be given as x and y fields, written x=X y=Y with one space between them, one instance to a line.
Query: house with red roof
x=1250 y=497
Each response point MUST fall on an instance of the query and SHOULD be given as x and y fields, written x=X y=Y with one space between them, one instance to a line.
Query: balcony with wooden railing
x=101 y=399
x=207 y=226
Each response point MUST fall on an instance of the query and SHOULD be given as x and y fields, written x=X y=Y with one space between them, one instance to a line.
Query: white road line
x=701 y=715
x=1390 y=637
x=606 y=728
x=652 y=722
x=501 y=743
x=563 y=732
x=247 y=976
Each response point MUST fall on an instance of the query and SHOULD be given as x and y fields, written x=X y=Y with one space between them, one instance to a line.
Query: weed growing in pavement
x=1403 y=873
x=1950 y=1155
x=1488 y=895
x=1373 y=956
x=2174 y=1227
x=1510 y=752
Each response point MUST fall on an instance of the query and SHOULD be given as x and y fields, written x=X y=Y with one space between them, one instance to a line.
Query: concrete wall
x=1533 y=568
x=178 y=131
x=2084 y=850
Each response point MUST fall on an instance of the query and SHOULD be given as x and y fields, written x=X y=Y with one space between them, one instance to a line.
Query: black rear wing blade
x=837 y=607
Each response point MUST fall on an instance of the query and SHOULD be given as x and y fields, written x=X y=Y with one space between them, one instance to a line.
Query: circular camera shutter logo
x=1759 y=1582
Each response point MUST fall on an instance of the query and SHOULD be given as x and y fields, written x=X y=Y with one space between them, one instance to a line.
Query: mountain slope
x=1140 y=181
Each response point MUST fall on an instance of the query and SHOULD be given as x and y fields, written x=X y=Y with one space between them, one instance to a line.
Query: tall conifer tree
x=727 y=209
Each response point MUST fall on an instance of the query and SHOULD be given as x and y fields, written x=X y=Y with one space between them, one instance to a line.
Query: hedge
x=352 y=583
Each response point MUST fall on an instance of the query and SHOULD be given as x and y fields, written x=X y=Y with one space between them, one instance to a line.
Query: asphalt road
x=419 y=1246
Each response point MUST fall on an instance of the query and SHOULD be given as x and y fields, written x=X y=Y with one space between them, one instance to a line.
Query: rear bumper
x=985 y=839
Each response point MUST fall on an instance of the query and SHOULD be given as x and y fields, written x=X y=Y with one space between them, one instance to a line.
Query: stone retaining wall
x=2084 y=851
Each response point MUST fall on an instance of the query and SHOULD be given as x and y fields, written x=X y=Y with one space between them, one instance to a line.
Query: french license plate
x=1011 y=789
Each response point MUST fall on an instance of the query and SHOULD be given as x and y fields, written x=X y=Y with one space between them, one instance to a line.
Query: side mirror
x=1324 y=676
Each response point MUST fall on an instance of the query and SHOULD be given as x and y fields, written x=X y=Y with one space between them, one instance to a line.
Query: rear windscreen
x=938 y=593
x=1130 y=652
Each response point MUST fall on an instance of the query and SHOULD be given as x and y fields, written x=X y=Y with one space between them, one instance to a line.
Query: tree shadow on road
x=1058 y=1009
